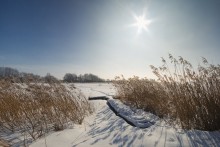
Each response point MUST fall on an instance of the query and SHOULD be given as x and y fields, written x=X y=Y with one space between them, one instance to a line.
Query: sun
x=141 y=23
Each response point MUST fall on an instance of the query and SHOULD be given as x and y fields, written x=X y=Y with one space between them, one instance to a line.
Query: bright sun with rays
x=141 y=23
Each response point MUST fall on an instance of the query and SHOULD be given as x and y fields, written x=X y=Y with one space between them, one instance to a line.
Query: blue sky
x=95 y=36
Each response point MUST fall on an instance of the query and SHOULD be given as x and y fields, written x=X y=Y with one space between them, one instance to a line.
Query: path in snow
x=104 y=128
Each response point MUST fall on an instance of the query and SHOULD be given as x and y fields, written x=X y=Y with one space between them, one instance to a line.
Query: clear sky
x=97 y=36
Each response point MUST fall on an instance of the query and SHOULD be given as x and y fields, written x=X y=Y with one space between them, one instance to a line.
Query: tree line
x=15 y=76
x=21 y=77
x=71 y=77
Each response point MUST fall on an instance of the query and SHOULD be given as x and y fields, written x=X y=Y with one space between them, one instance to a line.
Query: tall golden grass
x=188 y=96
x=36 y=108
x=142 y=94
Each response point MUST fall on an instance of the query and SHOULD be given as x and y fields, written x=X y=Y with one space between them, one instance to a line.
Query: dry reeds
x=36 y=108
x=189 y=97
x=142 y=94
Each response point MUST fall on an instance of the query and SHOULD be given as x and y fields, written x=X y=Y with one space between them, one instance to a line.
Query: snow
x=141 y=119
x=105 y=128
x=96 y=89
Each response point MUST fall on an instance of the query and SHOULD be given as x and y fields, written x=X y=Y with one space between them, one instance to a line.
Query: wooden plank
x=98 y=98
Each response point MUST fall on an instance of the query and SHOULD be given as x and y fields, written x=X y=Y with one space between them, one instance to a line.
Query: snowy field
x=105 y=128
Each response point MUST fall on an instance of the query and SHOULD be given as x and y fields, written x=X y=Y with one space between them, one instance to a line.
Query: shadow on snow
x=116 y=131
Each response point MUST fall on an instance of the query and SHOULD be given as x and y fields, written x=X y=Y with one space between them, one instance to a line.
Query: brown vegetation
x=36 y=108
x=188 y=97
x=142 y=94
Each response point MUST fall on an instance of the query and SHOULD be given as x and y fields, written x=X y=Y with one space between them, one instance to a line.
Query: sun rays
x=142 y=23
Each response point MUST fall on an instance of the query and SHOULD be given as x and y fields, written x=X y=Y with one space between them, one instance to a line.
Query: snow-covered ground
x=105 y=128
x=135 y=117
